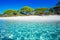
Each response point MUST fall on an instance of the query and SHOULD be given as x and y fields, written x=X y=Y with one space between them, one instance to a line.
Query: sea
x=23 y=30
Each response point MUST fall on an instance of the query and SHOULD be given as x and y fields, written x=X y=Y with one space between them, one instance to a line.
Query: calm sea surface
x=19 y=30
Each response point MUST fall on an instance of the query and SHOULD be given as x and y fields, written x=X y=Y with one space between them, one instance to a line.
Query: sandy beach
x=33 y=18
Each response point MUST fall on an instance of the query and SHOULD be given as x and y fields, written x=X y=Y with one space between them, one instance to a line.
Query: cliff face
x=56 y=9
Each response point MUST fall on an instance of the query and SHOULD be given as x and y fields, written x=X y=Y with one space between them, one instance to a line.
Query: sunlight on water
x=16 y=30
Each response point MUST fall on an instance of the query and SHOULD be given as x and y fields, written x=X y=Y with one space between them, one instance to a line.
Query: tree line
x=26 y=10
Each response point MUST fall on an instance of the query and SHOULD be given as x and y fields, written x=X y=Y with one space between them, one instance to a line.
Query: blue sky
x=18 y=4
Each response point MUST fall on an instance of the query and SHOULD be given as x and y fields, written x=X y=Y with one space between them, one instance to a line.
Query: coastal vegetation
x=26 y=10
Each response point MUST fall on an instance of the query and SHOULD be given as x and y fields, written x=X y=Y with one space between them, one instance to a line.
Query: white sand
x=33 y=18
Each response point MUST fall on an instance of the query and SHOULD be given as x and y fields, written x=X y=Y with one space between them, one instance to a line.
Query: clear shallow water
x=17 y=30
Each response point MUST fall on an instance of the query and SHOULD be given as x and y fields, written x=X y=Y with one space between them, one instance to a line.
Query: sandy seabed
x=33 y=18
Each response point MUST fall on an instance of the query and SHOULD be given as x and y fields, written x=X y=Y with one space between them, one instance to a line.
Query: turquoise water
x=19 y=30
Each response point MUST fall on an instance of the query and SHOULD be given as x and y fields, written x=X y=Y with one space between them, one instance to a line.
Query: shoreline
x=33 y=18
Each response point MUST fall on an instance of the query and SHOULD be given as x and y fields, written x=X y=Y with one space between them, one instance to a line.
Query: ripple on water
x=11 y=30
